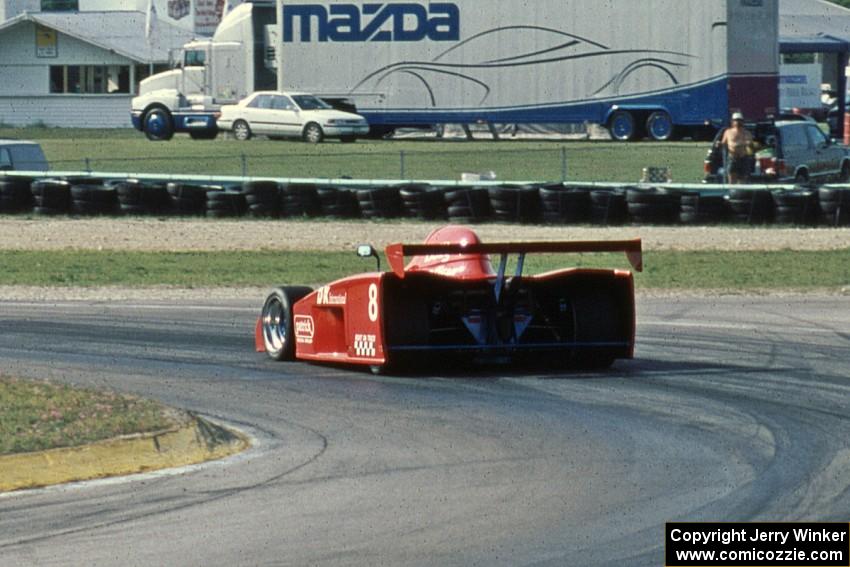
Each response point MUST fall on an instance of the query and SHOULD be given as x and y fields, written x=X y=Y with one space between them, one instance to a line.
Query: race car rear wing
x=397 y=252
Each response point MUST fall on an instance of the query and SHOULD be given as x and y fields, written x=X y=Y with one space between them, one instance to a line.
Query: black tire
x=52 y=194
x=165 y=129
x=660 y=127
x=276 y=321
x=242 y=131
x=15 y=196
x=188 y=192
x=313 y=133
x=622 y=126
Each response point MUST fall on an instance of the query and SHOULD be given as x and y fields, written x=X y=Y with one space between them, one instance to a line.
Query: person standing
x=738 y=142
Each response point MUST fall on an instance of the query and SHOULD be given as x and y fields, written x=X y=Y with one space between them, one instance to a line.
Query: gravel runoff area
x=213 y=235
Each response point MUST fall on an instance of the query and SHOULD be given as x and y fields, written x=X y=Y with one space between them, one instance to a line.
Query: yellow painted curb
x=193 y=442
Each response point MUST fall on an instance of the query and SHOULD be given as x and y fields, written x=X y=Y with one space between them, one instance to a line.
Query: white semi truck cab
x=211 y=72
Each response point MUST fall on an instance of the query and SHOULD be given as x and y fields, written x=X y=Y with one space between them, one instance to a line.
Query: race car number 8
x=373 y=303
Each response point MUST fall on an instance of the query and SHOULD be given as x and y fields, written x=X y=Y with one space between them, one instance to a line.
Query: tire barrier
x=515 y=203
x=262 y=198
x=93 y=200
x=338 y=202
x=15 y=196
x=696 y=209
x=468 y=205
x=380 y=203
x=652 y=206
x=834 y=206
x=51 y=197
x=751 y=206
x=299 y=199
x=608 y=207
x=798 y=207
x=560 y=205
x=226 y=203
x=138 y=198
x=545 y=203
x=423 y=202
x=187 y=200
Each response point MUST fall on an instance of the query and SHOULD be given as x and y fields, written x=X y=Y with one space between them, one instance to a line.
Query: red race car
x=449 y=303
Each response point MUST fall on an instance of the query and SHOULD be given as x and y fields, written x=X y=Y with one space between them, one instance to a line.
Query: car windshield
x=310 y=102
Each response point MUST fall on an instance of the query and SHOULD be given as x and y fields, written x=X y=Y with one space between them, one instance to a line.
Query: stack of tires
x=834 y=206
x=138 y=198
x=702 y=209
x=751 y=206
x=51 y=197
x=798 y=207
x=338 y=203
x=652 y=206
x=468 y=205
x=262 y=198
x=564 y=206
x=299 y=199
x=423 y=202
x=515 y=203
x=608 y=207
x=90 y=197
x=225 y=203
x=380 y=203
x=15 y=195
x=187 y=200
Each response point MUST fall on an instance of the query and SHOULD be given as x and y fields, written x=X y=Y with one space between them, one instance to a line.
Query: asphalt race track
x=736 y=409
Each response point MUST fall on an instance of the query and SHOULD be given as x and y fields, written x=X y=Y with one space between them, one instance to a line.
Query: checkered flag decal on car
x=365 y=348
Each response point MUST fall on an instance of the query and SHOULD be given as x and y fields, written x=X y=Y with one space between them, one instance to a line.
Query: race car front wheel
x=276 y=321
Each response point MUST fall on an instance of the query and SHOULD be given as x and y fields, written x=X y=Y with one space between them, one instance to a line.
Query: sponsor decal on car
x=305 y=329
x=326 y=297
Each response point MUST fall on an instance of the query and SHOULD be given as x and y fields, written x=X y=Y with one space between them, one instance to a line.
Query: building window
x=60 y=5
x=90 y=79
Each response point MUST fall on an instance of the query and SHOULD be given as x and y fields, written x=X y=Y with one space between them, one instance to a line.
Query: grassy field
x=42 y=415
x=129 y=151
x=664 y=270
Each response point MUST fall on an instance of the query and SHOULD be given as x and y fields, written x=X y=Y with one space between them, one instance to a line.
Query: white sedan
x=290 y=115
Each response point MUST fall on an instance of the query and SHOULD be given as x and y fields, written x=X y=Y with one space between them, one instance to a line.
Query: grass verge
x=516 y=160
x=663 y=269
x=41 y=415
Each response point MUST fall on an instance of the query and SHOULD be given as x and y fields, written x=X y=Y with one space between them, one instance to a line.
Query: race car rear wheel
x=276 y=321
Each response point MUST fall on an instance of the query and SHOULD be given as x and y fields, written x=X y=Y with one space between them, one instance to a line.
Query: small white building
x=77 y=63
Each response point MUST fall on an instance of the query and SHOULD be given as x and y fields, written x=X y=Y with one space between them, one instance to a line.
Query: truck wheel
x=277 y=324
x=622 y=126
x=660 y=126
x=313 y=133
x=158 y=125
x=241 y=130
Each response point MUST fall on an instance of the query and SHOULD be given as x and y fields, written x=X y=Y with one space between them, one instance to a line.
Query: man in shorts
x=739 y=148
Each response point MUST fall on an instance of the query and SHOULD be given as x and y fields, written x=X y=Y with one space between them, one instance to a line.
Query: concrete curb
x=192 y=442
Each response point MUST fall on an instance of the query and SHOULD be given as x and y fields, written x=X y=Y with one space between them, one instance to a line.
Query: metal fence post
x=401 y=159
x=563 y=163
x=88 y=165
x=244 y=165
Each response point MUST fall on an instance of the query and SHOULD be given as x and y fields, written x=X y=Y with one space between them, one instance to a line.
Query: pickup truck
x=21 y=155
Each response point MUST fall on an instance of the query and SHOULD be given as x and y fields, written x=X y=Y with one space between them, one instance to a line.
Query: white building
x=77 y=63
